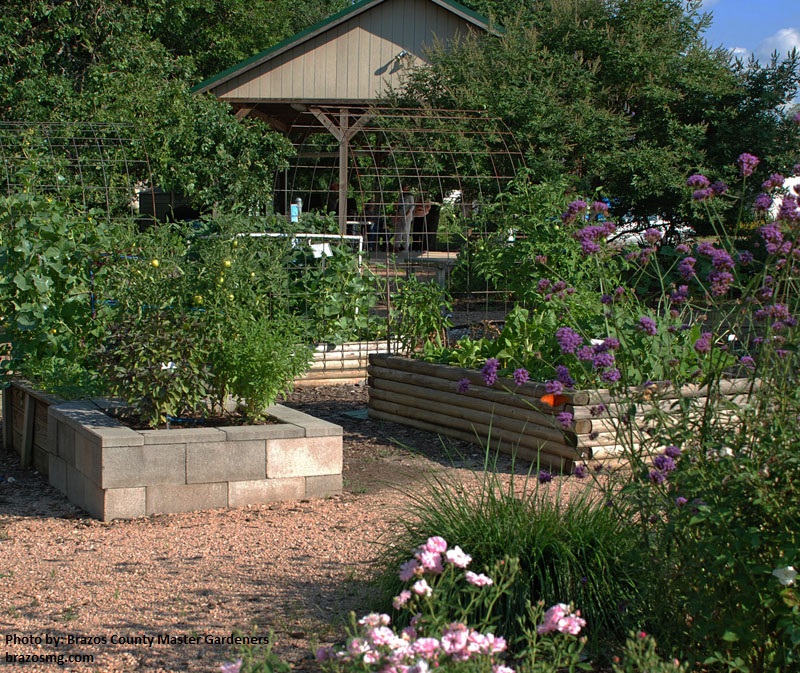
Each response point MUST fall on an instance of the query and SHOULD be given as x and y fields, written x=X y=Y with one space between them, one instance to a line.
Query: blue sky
x=756 y=27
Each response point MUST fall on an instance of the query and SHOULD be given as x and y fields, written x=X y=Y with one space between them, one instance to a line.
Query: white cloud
x=741 y=53
x=783 y=42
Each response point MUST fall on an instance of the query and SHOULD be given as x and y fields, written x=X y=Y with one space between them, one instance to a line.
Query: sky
x=756 y=27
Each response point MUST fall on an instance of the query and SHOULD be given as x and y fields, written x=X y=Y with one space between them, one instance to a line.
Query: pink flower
x=381 y=635
x=421 y=588
x=454 y=639
x=435 y=544
x=232 y=667
x=323 y=654
x=571 y=624
x=400 y=600
x=499 y=668
x=427 y=647
x=409 y=570
x=479 y=580
x=375 y=619
x=431 y=561
x=457 y=557
x=552 y=617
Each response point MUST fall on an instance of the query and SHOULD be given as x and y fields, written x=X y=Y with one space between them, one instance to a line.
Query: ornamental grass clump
x=574 y=549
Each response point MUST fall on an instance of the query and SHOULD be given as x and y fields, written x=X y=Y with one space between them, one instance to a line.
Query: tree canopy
x=622 y=95
x=134 y=63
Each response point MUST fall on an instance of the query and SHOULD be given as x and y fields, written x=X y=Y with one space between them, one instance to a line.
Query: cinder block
x=313 y=427
x=324 y=485
x=93 y=499
x=88 y=458
x=164 y=498
x=130 y=466
x=40 y=461
x=86 y=417
x=239 y=433
x=125 y=503
x=256 y=492
x=225 y=461
x=57 y=473
x=76 y=487
x=65 y=435
x=182 y=436
x=306 y=457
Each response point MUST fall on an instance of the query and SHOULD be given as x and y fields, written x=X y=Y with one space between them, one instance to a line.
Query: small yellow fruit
x=198 y=299
x=54 y=331
x=252 y=274
x=155 y=263
x=230 y=296
x=220 y=280
x=227 y=264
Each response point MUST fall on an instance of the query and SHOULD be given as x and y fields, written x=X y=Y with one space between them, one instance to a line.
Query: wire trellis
x=98 y=166
x=422 y=185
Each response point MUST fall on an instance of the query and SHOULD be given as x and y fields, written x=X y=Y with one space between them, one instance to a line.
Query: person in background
x=403 y=219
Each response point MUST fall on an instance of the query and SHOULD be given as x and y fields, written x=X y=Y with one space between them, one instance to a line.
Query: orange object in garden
x=553 y=400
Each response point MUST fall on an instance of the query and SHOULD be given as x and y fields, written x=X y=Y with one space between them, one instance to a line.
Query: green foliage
x=575 y=548
x=50 y=255
x=216 y=306
x=623 y=95
x=334 y=294
x=420 y=314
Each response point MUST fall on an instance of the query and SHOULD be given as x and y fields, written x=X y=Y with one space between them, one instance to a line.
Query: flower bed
x=114 y=472
x=517 y=419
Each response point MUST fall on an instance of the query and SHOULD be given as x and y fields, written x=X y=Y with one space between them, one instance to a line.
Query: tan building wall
x=353 y=61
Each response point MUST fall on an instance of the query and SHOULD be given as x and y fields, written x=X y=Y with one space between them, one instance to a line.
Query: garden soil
x=293 y=571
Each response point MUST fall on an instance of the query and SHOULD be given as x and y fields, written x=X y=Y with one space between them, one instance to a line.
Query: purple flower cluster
x=568 y=339
x=789 y=210
x=545 y=477
x=686 y=268
x=703 y=344
x=565 y=419
x=580 y=471
x=762 y=203
x=554 y=387
x=773 y=237
x=462 y=386
x=698 y=181
x=773 y=181
x=680 y=295
x=590 y=235
x=663 y=464
x=720 y=277
x=521 y=376
x=489 y=371
x=574 y=209
x=747 y=164
x=647 y=325
x=564 y=377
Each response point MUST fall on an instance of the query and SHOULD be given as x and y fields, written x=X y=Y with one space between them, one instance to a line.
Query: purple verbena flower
x=573 y=210
x=462 y=386
x=698 y=181
x=489 y=371
x=773 y=181
x=672 y=451
x=563 y=375
x=648 y=325
x=747 y=164
x=554 y=387
x=686 y=268
x=545 y=477
x=657 y=477
x=702 y=194
x=789 y=210
x=580 y=471
x=568 y=339
x=703 y=344
x=762 y=203
x=664 y=463
x=611 y=375
x=520 y=376
x=565 y=419
x=719 y=188
x=773 y=237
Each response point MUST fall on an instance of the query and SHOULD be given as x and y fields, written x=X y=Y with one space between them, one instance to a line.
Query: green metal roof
x=320 y=27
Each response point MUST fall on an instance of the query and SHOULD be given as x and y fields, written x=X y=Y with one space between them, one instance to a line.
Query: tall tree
x=619 y=94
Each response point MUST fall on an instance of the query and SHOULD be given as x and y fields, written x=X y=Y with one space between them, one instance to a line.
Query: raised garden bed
x=114 y=472
x=511 y=418
x=341 y=364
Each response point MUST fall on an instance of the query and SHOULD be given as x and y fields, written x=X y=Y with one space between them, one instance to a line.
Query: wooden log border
x=514 y=419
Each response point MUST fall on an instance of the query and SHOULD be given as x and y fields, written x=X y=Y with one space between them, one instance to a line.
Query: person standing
x=403 y=219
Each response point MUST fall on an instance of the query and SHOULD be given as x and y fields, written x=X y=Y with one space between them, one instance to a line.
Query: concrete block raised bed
x=511 y=418
x=114 y=472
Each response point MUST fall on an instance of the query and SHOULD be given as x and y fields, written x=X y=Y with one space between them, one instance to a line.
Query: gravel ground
x=295 y=569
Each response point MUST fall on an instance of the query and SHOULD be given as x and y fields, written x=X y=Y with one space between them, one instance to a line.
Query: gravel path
x=295 y=568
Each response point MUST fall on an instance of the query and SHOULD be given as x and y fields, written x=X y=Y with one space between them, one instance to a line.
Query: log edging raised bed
x=512 y=418
x=341 y=364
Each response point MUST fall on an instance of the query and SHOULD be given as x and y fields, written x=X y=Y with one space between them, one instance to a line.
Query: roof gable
x=350 y=55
